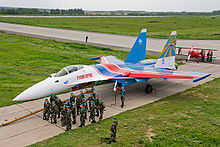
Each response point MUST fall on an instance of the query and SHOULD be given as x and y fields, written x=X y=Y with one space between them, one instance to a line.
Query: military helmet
x=46 y=99
x=57 y=98
x=84 y=99
x=81 y=105
x=100 y=99
x=67 y=99
x=113 y=117
x=91 y=93
x=71 y=93
x=52 y=93
x=92 y=102
x=53 y=102
x=81 y=91
x=68 y=106
x=66 y=103
x=73 y=102
x=79 y=95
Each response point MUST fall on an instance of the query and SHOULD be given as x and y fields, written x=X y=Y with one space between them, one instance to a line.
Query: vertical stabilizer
x=138 y=50
x=167 y=56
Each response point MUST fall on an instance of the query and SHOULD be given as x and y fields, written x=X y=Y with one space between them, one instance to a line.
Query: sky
x=145 y=5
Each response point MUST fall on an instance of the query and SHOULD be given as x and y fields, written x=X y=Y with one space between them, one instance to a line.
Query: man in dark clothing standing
x=46 y=109
x=59 y=104
x=73 y=109
x=113 y=131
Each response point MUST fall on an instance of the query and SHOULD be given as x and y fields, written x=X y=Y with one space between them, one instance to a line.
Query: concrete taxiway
x=34 y=129
x=120 y=42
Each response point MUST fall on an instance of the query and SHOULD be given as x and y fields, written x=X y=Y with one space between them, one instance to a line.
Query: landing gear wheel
x=148 y=88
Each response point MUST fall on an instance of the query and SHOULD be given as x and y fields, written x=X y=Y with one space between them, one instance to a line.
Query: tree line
x=30 y=11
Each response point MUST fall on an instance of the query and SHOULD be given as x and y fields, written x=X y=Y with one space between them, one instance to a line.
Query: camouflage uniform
x=92 y=113
x=59 y=104
x=73 y=110
x=82 y=95
x=91 y=98
x=52 y=98
x=68 y=120
x=101 y=109
x=53 y=112
x=78 y=103
x=72 y=99
x=63 y=116
x=113 y=131
x=97 y=105
x=86 y=107
x=46 y=110
x=82 y=116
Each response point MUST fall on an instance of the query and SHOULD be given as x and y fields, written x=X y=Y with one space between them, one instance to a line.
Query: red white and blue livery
x=130 y=71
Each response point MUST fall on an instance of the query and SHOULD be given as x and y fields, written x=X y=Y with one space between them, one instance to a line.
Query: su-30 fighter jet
x=127 y=72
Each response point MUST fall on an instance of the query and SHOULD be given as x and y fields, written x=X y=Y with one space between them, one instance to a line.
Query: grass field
x=188 y=27
x=189 y=118
x=25 y=61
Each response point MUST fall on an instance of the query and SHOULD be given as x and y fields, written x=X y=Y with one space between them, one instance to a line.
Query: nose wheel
x=148 y=88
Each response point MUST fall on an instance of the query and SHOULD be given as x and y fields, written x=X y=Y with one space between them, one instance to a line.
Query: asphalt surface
x=34 y=129
x=113 y=41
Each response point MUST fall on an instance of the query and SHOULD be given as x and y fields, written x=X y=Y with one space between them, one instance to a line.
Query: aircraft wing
x=168 y=74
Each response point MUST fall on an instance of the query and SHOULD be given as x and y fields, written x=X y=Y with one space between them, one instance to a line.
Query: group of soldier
x=55 y=108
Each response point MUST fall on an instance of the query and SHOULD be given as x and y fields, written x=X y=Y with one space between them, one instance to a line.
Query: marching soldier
x=113 y=131
x=59 y=104
x=91 y=98
x=63 y=115
x=78 y=103
x=101 y=108
x=53 y=112
x=52 y=97
x=72 y=98
x=92 y=112
x=73 y=110
x=46 y=109
x=68 y=119
x=82 y=116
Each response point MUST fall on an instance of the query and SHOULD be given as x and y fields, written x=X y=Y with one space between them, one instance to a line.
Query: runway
x=34 y=129
x=113 y=41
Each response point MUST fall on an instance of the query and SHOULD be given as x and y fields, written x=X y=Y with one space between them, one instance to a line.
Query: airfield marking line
x=27 y=110
x=24 y=132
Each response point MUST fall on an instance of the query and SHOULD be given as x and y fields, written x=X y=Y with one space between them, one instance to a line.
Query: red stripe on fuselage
x=145 y=74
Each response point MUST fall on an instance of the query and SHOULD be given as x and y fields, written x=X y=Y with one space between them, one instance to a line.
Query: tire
x=148 y=88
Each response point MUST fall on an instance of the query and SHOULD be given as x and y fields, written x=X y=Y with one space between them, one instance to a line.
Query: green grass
x=188 y=27
x=189 y=118
x=25 y=61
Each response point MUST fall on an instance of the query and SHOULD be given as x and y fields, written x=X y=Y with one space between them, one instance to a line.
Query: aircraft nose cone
x=38 y=90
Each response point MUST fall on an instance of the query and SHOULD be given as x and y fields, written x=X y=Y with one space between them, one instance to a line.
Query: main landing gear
x=148 y=88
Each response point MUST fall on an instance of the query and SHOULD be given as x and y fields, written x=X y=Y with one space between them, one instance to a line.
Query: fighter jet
x=130 y=71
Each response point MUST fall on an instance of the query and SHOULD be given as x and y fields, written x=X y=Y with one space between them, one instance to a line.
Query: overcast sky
x=147 y=5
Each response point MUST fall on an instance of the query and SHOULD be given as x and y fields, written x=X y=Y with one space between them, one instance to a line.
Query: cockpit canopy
x=68 y=69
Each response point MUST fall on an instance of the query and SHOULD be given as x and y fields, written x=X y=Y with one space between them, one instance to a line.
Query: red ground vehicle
x=204 y=55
